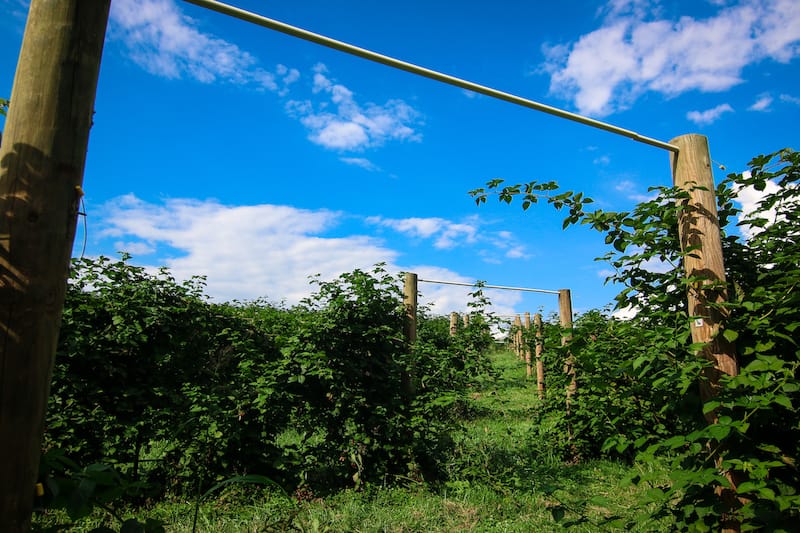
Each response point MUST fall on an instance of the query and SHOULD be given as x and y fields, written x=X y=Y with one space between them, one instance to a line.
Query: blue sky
x=256 y=159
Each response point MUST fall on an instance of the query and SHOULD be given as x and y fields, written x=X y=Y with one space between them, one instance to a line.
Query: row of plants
x=163 y=392
x=639 y=381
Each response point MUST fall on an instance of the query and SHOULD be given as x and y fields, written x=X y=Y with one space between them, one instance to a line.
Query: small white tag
x=698 y=322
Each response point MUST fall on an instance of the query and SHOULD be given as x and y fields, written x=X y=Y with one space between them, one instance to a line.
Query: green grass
x=502 y=478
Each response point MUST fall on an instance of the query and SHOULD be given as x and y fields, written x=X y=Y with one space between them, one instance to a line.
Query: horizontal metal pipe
x=422 y=71
x=525 y=289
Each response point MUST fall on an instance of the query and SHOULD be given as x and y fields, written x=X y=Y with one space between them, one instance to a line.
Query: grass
x=503 y=478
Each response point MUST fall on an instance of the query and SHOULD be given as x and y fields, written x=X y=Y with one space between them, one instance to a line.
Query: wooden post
x=453 y=324
x=527 y=346
x=407 y=377
x=517 y=336
x=537 y=324
x=565 y=318
x=41 y=173
x=410 y=303
x=698 y=229
x=466 y=320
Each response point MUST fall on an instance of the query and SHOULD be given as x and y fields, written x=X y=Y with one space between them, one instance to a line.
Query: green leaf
x=730 y=335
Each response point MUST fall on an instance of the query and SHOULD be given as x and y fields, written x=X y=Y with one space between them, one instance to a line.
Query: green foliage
x=638 y=380
x=3 y=106
x=178 y=394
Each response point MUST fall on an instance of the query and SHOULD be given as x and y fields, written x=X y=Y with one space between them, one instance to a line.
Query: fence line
x=462 y=284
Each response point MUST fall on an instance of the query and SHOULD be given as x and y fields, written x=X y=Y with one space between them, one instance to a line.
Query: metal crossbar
x=425 y=72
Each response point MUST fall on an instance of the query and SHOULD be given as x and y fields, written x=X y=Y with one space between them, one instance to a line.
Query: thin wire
x=85 y=227
x=525 y=289
x=422 y=71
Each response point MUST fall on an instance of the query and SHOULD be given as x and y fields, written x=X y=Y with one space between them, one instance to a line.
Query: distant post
x=41 y=173
x=518 y=336
x=410 y=304
x=537 y=325
x=453 y=324
x=565 y=318
x=527 y=346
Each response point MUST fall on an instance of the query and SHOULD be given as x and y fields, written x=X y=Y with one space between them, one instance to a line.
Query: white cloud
x=762 y=104
x=352 y=126
x=270 y=251
x=361 y=162
x=634 y=52
x=630 y=190
x=703 y=118
x=790 y=99
x=749 y=198
x=135 y=248
x=161 y=39
x=446 y=233
x=245 y=251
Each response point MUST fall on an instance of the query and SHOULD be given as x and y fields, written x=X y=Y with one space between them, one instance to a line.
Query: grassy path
x=503 y=478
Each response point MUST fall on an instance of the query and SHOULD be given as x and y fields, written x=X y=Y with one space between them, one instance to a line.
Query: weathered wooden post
x=410 y=304
x=537 y=324
x=41 y=173
x=699 y=232
x=518 y=336
x=466 y=320
x=527 y=346
x=453 y=324
x=409 y=330
x=565 y=319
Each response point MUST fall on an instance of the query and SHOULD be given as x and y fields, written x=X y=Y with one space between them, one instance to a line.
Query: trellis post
x=41 y=173
x=537 y=325
x=701 y=242
x=453 y=324
x=527 y=346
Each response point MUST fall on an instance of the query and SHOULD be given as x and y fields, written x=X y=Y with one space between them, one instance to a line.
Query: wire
x=487 y=286
x=85 y=226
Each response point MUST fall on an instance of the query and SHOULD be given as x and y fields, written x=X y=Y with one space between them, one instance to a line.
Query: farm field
x=502 y=478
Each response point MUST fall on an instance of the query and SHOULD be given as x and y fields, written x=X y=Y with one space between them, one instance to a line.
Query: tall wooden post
x=699 y=231
x=517 y=335
x=527 y=346
x=41 y=173
x=537 y=325
x=453 y=324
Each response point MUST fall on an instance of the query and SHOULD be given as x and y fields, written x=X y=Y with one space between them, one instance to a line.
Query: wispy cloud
x=161 y=39
x=632 y=191
x=361 y=162
x=445 y=233
x=448 y=234
x=703 y=118
x=762 y=104
x=339 y=122
x=788 y=98
x=635 y=51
